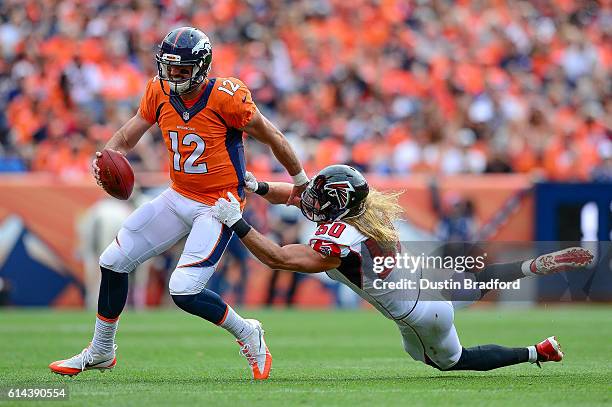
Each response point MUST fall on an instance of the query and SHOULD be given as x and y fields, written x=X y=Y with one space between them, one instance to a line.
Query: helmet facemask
x=180 y=86
x=337 y=192
x=311 y=206
x=321 y=209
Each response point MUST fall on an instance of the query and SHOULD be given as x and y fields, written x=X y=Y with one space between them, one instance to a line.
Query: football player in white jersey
x=356 y=225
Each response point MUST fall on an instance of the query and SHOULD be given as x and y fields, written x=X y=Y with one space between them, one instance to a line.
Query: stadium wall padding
x=47 y=210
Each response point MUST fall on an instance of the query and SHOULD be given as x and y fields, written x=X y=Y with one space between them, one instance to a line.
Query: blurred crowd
x=390 y=86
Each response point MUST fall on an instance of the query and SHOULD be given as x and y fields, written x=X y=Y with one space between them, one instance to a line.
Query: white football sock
x=236 y=325
x=104 y=336
x=526 y=268
x=533 y=354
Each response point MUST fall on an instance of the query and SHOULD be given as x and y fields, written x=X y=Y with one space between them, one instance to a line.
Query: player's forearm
x=294 y=257
x=128 y=135
x=275 y=192
x=284 y=153
x=266 y=251
x=289 y=258
x=119 y=142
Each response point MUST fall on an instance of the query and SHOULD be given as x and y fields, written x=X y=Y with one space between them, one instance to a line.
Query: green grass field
x=320 y=358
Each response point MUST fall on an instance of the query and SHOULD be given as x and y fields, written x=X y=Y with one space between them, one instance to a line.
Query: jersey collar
x=188 y=113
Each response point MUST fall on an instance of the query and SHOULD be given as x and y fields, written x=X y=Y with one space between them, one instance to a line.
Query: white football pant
x=159 y=224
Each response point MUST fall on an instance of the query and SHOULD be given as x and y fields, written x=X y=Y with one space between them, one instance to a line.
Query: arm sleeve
x=237 y=109
x=147 y=103
x=328 y=248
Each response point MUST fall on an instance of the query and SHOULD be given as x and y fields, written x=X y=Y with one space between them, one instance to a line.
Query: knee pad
x=416 y=349
x=114 y=258
x=189 y=280
x=431 y=336
x=412 y=343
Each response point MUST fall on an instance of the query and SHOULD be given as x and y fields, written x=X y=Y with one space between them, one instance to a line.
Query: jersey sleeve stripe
x=219 y=117
x=158 y=111
x=235 y=149
x=208 y=91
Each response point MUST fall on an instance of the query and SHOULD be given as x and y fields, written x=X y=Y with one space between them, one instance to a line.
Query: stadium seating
x=400 y=88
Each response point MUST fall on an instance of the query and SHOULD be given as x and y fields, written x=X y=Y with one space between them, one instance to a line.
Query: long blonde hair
x=381 y=210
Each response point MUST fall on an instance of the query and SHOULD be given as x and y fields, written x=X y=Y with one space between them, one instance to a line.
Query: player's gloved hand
x=227 y=212
x=250 y=182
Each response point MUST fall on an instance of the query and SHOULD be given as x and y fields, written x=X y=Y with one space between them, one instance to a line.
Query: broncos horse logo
x=203 y=44
x=341 y=191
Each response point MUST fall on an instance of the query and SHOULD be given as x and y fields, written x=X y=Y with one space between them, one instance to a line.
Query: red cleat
x=562 y=260
x=549 y=350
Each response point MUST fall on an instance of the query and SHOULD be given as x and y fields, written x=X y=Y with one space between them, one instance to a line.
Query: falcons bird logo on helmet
x=341 y=191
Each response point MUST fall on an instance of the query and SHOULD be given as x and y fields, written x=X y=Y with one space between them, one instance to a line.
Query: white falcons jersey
x=356 y=252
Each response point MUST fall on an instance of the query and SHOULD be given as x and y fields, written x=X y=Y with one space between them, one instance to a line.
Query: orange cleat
x=86 y=360
x=254 y=349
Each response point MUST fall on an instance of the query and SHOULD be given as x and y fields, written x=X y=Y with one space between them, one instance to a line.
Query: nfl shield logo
x=185 y=116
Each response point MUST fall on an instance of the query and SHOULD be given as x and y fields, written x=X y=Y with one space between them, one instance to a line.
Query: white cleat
x=86 y=360
x=254 y=349
x=562 y=260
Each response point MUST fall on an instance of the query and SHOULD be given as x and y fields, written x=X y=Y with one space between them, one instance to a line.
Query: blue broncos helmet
x=184 y=46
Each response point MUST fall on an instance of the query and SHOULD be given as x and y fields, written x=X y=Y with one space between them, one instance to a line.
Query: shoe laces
x=86 y=357
x=245 y=350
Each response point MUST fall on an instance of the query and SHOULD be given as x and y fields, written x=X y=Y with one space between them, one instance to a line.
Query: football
x=116 y=174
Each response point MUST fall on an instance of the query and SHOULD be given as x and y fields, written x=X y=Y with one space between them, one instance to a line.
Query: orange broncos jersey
x=204 y=144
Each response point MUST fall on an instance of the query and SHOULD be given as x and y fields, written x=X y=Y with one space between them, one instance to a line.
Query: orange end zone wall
x=50 y=207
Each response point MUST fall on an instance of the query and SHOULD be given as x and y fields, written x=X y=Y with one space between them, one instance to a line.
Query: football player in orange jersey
x=202 y=120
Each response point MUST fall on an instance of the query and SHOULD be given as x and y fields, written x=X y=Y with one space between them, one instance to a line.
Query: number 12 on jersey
x=189 y=140
x=234 y=87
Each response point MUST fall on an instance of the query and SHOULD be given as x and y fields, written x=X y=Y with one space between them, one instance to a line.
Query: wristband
x=241 y=228
x=300 y=178
x=262 y=188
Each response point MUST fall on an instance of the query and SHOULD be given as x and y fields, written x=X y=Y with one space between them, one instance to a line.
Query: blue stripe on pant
x=217 y=252
x=207 y=304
